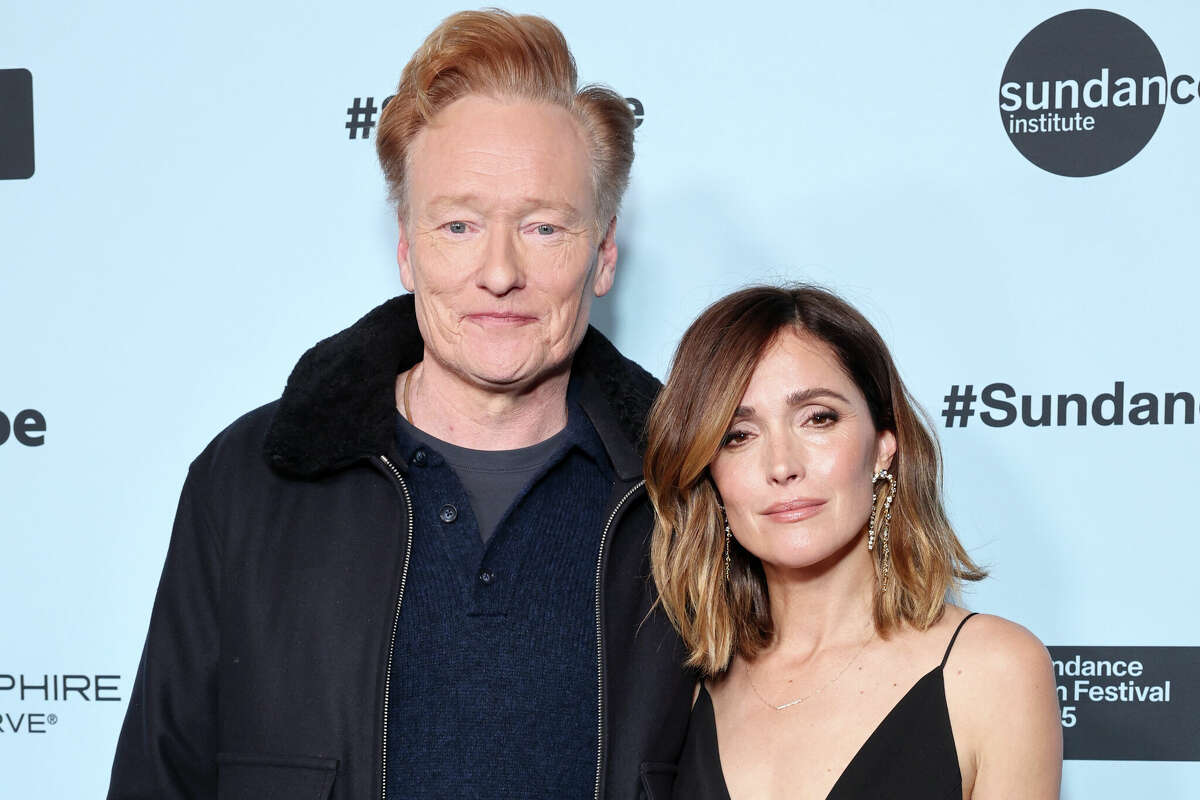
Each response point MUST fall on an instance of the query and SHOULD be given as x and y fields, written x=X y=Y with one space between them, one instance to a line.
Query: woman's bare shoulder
x=991 y=649
x=1000 y=691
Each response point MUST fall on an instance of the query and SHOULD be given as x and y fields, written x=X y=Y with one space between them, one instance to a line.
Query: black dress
x=909 y=756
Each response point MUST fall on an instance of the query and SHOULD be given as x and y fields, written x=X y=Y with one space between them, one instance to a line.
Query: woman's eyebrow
x=799 y=398
x=796 y=398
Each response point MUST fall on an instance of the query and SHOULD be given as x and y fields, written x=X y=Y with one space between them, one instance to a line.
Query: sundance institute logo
x=1084 y=91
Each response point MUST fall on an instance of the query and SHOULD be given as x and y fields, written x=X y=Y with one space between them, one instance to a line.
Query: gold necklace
x=827 y=684
x=407 y=381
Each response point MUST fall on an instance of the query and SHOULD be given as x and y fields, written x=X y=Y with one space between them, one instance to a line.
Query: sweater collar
x=339 y=403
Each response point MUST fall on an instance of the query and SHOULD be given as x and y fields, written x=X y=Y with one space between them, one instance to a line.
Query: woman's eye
x=545 y=229
x=457 y=227
x=734 y=438
x=823 y=419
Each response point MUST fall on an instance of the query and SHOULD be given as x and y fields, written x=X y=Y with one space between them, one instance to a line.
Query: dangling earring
x=728 y=537
x=885 y=528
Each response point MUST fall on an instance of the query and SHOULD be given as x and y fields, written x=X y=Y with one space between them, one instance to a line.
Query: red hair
x=498 y=54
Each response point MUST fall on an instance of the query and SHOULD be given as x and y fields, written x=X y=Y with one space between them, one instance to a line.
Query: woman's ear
x=885 y=450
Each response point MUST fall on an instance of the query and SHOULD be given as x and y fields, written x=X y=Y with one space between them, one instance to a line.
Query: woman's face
x=795 y=468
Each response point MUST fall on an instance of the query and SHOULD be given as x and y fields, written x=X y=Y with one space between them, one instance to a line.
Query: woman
x=803 y=553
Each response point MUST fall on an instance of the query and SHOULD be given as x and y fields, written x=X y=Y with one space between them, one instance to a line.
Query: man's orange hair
x=497 y=54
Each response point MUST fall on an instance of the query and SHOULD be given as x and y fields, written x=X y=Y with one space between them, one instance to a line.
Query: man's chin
x=501 y=376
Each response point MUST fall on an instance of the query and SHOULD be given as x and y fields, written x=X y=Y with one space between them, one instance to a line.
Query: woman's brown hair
x=502 y=55
x=719 y=618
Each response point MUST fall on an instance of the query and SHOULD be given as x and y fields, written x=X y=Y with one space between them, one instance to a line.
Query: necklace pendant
x=799 y=700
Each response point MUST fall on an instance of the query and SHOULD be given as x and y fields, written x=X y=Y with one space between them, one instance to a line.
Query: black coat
x=265 y=669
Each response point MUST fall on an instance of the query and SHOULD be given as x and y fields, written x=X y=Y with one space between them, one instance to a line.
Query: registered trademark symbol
x=52 y=719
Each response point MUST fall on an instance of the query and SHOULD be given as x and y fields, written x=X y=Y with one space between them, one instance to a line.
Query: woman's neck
x=828 y=605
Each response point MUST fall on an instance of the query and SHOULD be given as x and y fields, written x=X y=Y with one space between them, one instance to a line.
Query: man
x=435 y=582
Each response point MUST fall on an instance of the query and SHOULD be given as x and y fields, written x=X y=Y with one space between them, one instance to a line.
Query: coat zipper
x=387 y=685
x=600 y=637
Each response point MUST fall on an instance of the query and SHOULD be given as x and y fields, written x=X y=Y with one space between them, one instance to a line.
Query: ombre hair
x=719 y=618
x=497 y=54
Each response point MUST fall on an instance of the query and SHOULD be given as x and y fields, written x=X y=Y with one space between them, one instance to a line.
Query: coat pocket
x=254 y=776
x=658 y=780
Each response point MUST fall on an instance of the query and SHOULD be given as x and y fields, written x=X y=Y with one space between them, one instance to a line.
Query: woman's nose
x=785 y=460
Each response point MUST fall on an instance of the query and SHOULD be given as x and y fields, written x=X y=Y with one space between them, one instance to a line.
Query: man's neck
x=445 y=406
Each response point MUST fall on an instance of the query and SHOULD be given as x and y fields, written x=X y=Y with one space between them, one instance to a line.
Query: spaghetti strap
x=913 y=746
x=950 y=646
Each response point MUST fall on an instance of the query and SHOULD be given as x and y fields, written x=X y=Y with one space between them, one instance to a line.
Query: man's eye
x=457 y=227
x=545 y=229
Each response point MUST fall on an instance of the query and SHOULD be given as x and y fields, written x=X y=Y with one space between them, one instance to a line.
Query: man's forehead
x=473 y=200
x=507 y=154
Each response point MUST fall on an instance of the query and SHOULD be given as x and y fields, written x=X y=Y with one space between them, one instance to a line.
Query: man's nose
x=502 y=270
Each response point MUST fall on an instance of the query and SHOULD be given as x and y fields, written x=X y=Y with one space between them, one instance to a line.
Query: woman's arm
x=1003 y=703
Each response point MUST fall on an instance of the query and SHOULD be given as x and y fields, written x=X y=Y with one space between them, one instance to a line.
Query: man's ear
x=606 y=261
x=402 y=258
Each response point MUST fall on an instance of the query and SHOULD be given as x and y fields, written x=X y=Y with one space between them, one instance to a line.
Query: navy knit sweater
x=494 y=684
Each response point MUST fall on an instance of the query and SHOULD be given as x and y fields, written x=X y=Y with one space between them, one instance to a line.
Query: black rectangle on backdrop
x=1129 y=703
x=16 y=124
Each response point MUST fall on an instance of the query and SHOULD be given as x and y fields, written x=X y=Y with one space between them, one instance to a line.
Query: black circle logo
x=1083 y=93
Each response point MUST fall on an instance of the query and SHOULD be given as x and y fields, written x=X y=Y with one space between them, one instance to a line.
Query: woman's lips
x=793 y=510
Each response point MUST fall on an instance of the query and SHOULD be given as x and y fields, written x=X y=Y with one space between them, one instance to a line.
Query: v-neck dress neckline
x=909 y=754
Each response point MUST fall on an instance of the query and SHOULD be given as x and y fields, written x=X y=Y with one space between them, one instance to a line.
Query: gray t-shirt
x=492 y=479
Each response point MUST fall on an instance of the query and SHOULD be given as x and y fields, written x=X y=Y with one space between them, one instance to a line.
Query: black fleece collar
x=339 y=404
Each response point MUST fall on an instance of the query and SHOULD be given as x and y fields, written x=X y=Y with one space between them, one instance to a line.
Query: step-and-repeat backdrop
x=189 y=198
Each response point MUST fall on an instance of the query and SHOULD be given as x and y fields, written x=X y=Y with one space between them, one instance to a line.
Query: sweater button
x=419 y=457
x=448 y=514
x=486 y=577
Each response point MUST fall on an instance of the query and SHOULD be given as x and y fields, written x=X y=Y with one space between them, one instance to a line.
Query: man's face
x=500 y=245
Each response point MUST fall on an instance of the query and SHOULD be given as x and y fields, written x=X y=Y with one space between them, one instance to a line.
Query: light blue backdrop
x=199 y=217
